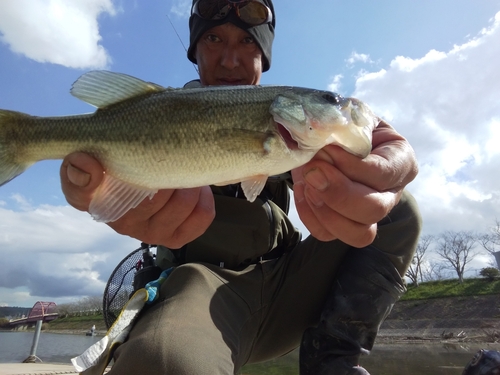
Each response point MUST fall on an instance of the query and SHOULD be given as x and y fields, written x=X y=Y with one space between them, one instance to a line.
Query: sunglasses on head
x=252 y=12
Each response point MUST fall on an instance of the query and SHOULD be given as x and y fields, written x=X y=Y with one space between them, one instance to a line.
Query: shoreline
x=385 y=336
x=78 y=332
x=439 y=335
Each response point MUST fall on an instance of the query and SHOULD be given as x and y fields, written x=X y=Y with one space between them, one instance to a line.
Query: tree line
x=89 y=305
x=455 y=250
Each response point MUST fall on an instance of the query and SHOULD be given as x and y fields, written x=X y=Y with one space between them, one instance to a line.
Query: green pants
x=210 y=320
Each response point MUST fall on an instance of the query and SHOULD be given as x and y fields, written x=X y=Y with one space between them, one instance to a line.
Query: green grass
x=78 y=323
x=452 y=288
x=432 y=289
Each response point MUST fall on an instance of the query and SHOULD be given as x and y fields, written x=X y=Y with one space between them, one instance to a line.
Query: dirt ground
x=462 y=319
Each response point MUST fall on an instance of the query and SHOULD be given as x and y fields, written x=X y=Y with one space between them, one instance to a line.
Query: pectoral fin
x=114 y=198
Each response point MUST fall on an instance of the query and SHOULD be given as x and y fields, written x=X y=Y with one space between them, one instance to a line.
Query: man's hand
x=172 y=218
x=340 y=196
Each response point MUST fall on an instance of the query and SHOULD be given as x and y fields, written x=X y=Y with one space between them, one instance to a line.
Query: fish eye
x=330 y=98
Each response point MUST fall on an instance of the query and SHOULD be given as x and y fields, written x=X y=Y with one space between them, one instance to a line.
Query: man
x=246 y=288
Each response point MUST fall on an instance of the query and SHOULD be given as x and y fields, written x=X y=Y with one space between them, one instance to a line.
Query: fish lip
x=285 y=134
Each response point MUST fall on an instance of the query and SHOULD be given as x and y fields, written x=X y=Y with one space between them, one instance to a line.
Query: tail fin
x=9 y=167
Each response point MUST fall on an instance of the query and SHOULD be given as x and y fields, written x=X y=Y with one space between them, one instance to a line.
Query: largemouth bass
x=148 y=137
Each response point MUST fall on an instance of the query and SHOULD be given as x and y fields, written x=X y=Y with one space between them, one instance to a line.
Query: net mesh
x=120 y=286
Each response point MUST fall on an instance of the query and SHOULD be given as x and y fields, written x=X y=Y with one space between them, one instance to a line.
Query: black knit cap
x=262 y=34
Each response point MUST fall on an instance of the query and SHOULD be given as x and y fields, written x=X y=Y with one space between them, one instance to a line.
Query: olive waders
x=362 y=296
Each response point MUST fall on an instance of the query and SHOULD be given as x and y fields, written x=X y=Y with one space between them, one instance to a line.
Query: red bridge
x=44 y=311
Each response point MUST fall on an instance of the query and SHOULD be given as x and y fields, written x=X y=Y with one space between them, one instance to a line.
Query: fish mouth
x=287 y=137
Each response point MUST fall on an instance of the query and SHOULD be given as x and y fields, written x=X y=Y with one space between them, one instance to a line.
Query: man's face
x=228 y=55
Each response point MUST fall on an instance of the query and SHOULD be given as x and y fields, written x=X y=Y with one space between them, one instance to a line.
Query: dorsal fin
x=102 y=88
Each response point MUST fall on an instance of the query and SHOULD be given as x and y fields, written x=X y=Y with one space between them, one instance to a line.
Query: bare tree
x=414 y=273
x=491 y=242
x=64 y=310
x=457 y=249
x=92 y=304
x=434 y=272
x=85 y=306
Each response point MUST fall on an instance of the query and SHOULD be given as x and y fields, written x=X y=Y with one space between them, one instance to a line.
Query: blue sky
x=428 y=67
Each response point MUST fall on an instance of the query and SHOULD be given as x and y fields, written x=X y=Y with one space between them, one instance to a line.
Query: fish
x=149 y=137
x=484 y=362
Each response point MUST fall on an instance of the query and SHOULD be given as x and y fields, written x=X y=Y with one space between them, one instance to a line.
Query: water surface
x=392 y=359
x=52 y=347
x=385 y=359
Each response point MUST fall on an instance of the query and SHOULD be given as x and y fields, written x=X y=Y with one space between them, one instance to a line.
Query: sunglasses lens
x=212 y=9
x=250 y=11
x=254 y=13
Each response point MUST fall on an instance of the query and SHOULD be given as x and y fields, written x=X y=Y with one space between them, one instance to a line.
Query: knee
x=170 y=355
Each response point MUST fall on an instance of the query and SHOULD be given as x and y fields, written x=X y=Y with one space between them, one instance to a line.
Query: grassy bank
x=77 y=323
x=428 y=290
x=452 y=288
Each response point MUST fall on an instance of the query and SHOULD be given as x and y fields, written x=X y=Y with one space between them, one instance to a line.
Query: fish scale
x=148 y=137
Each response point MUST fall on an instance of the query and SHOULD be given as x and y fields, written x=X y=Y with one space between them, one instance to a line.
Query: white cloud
x=406 y=64
x=55 y=253
x=22 y=202
x=446 y=104
x=492 y=145
x=56 y=31
x=336 y=83
x=358 y=57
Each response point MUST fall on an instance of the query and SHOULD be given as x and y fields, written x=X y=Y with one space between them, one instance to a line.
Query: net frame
x=120 y=286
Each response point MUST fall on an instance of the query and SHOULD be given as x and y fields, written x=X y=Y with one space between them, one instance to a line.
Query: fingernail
x=317 y=179
x=78 y=177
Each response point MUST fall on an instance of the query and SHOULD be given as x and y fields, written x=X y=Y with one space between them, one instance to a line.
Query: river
x=385 y=359
x=52 y=347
